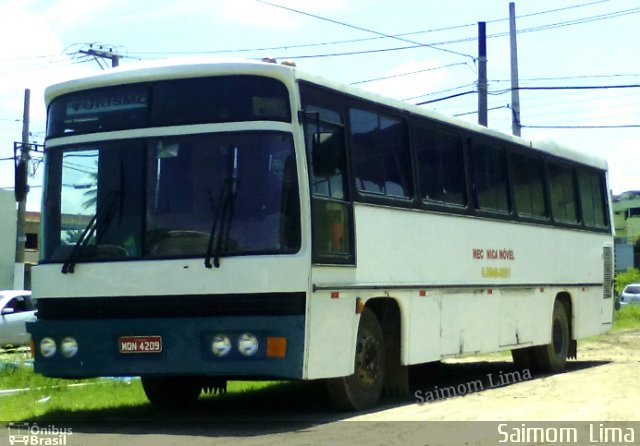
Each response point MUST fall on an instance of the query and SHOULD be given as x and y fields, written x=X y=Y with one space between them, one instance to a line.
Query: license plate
x=140 y=344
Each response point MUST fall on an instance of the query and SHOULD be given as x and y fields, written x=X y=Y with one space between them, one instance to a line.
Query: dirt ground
x=603 y=384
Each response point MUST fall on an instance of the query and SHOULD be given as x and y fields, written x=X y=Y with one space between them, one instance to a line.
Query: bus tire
x=362 y=389
x=170 y=392
x=552 y=358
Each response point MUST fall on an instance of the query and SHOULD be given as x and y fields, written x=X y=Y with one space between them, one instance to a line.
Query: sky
x=412 y=50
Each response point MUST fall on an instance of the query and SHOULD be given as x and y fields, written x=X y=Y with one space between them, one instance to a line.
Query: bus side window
x=490 y=179
x=441 y=170
x=380 y=154
x=564 y=202
x=527 y=173
x=592 y=198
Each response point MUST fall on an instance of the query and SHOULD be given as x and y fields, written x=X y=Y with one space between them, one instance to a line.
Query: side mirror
x=6 y=311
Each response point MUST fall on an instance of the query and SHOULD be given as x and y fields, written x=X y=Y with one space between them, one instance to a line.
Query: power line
x=351 y=53
x=547 y=27
x=585 y=76
x=508 y=90
x=568 y=87
x=359 y=28
x=31 y=67
x=408 y=74
x=581 y=87
x=476 y=112
x=350 y=41
x=440 y=91
x=447 y=97
x=437 y=45
x=621 y=126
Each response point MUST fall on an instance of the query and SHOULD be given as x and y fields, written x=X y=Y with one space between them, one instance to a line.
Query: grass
x=104 y=399
x=56 y=399
x=56 y=396
x=627 y=318
x=16 y=372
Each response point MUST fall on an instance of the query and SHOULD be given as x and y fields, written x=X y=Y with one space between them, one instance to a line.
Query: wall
x=7 y=238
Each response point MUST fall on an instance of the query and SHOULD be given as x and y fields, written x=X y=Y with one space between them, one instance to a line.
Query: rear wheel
x=362 y=389
x=552 y=358
x=171 y=392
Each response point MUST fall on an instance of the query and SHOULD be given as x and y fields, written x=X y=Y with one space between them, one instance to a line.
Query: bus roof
x=199 y=67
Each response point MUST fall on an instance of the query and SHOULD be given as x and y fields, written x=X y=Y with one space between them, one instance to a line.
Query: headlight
x=247 y=344
x=69 y=347
x=47 y=347
x=220 y=345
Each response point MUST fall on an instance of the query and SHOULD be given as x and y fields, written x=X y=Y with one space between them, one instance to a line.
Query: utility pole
x=482 y=74
x=515 y=86
x=101 y=53
x=22 y=166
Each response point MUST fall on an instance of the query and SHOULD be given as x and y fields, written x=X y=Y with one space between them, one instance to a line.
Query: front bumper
x=186 y=347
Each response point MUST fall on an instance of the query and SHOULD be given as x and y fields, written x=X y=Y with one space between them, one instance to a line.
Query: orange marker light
x=359 y=305
x=276 y=347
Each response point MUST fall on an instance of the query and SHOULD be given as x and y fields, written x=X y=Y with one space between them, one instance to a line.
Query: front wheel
x=171 y=392
x=362 y=389
x=552 y=358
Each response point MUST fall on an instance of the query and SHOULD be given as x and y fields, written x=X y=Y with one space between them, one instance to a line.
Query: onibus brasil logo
x=34 y=435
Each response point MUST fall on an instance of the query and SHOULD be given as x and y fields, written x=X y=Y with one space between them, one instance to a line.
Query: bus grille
x=126 y=307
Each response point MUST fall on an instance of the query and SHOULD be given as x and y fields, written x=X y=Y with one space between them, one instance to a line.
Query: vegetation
x=54 y=400
x=628 y=318
x=632 y=275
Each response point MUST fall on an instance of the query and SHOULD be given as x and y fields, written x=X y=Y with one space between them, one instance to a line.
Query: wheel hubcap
x=367 y=360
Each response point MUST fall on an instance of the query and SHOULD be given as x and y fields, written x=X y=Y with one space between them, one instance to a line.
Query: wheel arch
x=389 y=314
x=387 y=311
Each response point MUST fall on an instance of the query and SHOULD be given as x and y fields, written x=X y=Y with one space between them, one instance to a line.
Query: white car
x=16 y=308
x=630 y=294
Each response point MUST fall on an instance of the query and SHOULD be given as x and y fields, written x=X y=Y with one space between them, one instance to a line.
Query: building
x=8 y=224
x=626 y=220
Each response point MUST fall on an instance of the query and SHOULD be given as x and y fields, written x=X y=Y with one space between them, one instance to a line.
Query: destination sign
x=111 y=102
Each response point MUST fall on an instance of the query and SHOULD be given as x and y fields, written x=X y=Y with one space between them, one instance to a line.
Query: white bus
x=209 y=221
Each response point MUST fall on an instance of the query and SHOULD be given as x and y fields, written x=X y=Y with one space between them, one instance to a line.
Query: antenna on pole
x=515 y=91
x=482 y=74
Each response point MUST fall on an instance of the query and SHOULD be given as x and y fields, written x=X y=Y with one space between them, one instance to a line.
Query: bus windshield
x=172 y=197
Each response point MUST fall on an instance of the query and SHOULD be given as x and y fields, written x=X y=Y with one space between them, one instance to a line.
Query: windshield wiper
x=224 y=214
x=104 y=215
